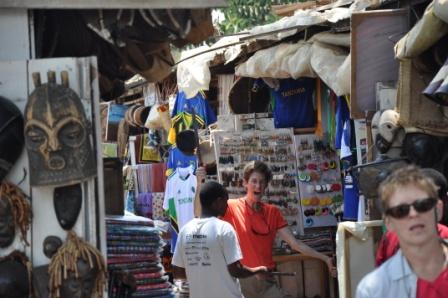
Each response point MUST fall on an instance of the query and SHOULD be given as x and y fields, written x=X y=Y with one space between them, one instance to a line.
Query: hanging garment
x=179 y=197
x=294 y=103
x=351 y=198
x=177 y=159
x=143 y=204
x=143 y=174
x=157 y=177
x=157 y=206
x=342 y=116
x=181 y=118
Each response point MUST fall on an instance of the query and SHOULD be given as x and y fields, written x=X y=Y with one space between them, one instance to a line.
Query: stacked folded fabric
x=322 y=241
x=133 y=247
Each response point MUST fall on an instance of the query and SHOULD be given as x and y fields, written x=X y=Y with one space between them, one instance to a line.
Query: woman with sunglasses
x=256 y=225
x=419 y=269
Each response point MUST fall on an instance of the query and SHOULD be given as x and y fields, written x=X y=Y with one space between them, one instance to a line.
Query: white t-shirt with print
x=180 y=192
x=205 y=247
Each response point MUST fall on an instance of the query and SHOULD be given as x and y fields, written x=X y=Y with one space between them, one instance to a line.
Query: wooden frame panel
x=373 y=36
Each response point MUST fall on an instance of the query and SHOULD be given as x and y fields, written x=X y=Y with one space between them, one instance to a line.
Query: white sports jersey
x=179 y=196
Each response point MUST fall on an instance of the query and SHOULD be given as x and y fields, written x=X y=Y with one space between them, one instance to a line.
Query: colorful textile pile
x=134 y=246
x=322 y=241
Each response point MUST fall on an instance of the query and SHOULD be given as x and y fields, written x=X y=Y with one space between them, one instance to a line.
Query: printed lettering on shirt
x=185 y=201
x=196 y=250
x=293 y=92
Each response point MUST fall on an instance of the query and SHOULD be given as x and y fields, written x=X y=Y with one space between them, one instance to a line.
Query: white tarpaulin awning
x=194 y=74
x=426 y=32
x=304 y=59
x=326 y=60
x=285 y=60
x=441 y=10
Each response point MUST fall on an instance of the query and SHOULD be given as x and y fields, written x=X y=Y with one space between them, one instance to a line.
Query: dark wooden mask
x=67 y=204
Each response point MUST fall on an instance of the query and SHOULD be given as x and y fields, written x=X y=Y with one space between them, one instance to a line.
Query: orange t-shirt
x=255 y=230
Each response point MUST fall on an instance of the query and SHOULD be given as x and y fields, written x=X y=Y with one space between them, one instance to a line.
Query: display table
x=311 y=280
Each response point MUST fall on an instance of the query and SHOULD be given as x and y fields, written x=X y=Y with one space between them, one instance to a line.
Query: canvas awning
x=324 y=55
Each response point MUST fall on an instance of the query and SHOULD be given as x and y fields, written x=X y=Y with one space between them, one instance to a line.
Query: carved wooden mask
x=82 y=284
x=67 y=204
x=51 y=245
x=14 y=276
x=11 y=135
x=57 y=135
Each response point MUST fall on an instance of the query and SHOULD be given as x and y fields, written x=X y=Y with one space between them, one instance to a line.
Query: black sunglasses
x=402 y=210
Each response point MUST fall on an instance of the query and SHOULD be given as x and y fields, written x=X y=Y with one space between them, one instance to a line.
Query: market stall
x=54 y=195
x=331 y=98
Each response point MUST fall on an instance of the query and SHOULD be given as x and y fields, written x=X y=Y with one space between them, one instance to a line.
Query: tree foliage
x=244 y=14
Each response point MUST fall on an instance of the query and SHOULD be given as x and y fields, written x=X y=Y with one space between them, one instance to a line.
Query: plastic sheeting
x=193 y=74
x=326 y=61
x=341 y=39
x=441 y=10
x=418 y=39
x=304 y=59
x=305 y=18
x=343 y=76
x=282 y=61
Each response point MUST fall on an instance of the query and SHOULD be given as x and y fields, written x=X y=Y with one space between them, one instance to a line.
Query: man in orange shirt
x=256 y=225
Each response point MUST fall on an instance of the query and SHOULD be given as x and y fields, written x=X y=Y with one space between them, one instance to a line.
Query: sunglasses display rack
x=276 y=148
x=319 y=181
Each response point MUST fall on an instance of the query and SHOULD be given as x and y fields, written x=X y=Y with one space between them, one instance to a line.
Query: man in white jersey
x=207 y=252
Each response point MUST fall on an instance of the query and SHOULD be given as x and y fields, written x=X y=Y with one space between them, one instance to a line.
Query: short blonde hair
x=402 y=177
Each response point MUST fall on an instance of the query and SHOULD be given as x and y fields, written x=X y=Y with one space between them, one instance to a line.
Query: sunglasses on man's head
x=402 y=210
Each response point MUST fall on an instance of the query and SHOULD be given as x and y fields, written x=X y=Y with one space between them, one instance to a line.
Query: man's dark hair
x=259 y=167
x=441 y=182
x=210 y=192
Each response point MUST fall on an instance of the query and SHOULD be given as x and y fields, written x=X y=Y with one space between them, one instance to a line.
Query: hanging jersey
x=181 y=117
x=351 y=198
x=345 y=140
x=179 y=196
x=293 y=105
x=342 y=116
x=177 y=159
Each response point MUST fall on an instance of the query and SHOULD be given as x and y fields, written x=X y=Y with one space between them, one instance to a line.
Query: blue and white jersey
x=177 y=159
x=181 y=117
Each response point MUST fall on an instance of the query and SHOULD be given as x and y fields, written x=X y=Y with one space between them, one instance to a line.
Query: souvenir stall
x=138 y=123
x=276 y=149
x=331 y=178
x=53 y=195
x=306 y=186
x=52 y=192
